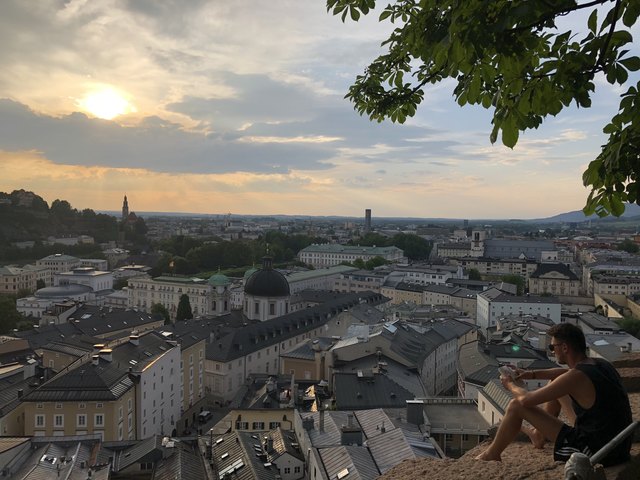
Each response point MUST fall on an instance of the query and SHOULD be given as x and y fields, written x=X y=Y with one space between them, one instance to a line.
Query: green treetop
x=509 y=56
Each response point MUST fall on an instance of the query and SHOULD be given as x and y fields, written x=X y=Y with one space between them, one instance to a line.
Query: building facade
x=328 y=255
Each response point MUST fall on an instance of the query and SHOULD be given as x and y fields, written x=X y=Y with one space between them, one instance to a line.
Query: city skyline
x=205 y=107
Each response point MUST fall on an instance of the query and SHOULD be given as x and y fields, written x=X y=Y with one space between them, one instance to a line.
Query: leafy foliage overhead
x=510 y=56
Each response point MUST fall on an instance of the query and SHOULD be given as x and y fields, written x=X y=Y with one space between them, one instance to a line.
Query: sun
x=106 y=103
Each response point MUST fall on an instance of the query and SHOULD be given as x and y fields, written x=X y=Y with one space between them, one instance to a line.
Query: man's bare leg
x=552 y=408
x=548 y=425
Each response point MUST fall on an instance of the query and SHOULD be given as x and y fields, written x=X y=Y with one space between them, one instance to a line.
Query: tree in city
x=159 y=310
x=474 y=274
x=629 y=246
x=184 y=309
x=512 y=57
x=630 y=324
x=516 y=280
x=9 y=316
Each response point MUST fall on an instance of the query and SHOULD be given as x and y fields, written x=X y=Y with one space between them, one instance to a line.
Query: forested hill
x=26 y=216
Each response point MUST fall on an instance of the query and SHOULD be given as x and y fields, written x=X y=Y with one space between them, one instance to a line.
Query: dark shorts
x=568 y=442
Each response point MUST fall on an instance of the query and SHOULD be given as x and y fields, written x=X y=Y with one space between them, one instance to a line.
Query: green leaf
x=593 y=21
x=617 y=206
x=510 y=134
x=355 y=14
x=384 y=15
x=632 y=63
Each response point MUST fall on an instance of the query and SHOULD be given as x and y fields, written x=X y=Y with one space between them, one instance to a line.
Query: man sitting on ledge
x=590 y=394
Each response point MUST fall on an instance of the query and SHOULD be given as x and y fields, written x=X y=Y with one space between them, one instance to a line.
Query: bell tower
x=125 y=209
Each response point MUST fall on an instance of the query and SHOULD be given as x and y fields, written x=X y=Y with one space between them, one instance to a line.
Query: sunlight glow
x=106 y=103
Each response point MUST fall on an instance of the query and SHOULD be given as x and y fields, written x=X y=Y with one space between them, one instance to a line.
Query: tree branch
x=553 y=13
x=605 y=47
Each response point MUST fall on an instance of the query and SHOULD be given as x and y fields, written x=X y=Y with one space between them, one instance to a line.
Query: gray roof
x=147 y=450
x=356 y=392
x=239 y=342
x=390 y=447
x=506 y=248
x=151 y=345
x=305 y=350
x=457 y=415
x=88 y=382
x=406 y=377
x=93 y=320
x=237 y=452
x=357 y=460
x=183 y=463
x=475 y=366
x=497 y=394
x=9 y=388
x=546 y=268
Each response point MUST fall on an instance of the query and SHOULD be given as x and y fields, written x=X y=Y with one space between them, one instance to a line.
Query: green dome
x=219 y=280
x=250 y=272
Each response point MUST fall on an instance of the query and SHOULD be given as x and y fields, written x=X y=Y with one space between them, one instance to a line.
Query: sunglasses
x=552 y=346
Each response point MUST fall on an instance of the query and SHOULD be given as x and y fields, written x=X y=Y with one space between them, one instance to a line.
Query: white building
x=88 y=276
x=167 y=290
x=59 y=263
x=156 y=362
x=318 y=279
x=494 y=304
x=328 y=255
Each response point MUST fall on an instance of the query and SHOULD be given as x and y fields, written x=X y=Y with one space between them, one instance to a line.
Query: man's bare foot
x=487 y=456
x=536 y=437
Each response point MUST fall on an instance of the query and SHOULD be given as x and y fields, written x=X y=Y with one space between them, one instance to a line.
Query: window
x=272 y=309
x=296 y=469
x=256 y=307
x=146 y=466
x=287 y=470
x=242 y=425
x=273 y=425
x=98 y=405
x=448 y=437
x=258 y=426
x=120 y=413
x=130 y=404
x=58 y=420
x=82 y=406
x=465 y=437
x=39 y=420
x=58 y=406
x=81 y=420
x=98 y=420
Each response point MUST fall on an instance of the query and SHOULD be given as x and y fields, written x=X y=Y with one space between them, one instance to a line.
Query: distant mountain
x=631 y=210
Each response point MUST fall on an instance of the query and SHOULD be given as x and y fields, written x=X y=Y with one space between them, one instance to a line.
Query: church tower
x=125 y=209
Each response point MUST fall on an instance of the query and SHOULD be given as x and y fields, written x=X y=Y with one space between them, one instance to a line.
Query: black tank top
x=610 y=413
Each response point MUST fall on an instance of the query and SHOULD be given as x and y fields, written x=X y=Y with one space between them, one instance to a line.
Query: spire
x=125 y=208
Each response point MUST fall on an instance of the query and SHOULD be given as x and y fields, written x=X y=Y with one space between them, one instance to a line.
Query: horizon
x=179 y=107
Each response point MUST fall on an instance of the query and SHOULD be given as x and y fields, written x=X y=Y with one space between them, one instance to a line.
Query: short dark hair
x=571 y=335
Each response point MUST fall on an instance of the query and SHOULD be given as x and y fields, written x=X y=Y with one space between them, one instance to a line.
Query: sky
x=238 y=107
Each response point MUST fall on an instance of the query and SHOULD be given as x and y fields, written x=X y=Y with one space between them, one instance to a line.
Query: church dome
x=219 y=280
x=249 y=272
x=267 y=282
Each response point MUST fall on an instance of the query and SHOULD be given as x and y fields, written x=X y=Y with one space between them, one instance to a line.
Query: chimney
x=268 y=444
x=98 y=346
x=415 y=412
x=351 y=434
x=20 y=392
x=307 y=423
x=95 y=359
x=106 y=354
x=134 y=338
